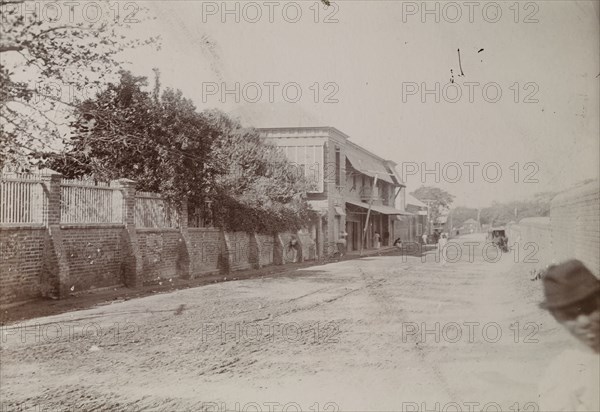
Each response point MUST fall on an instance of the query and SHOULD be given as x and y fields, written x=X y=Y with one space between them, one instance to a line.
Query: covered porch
x=380 y=221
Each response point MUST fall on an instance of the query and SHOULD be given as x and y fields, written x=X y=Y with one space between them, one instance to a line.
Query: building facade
x=348 y=180
x=411 y=228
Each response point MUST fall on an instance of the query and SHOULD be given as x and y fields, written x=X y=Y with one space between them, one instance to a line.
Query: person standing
x=341 y=243
x=377 y=240
x=424 y=237
x=572 y=296
x=293 y=248
x=443 y=240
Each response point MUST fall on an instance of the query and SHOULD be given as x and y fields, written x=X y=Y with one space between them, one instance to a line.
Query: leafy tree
x=439 y=200
x=47 y=48
x=160 y=141
x=166 y=146
x=256 y=189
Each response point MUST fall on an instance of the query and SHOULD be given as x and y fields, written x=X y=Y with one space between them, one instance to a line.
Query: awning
x=384 y=210
x=339 y=211
x=369 y=166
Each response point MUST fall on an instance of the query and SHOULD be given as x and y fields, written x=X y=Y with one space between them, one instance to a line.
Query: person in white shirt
x=377 y=238
x=572 y=380
x=443 y=240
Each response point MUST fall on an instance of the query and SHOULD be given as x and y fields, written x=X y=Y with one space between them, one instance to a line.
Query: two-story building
x=411 y=228
x=349 y=182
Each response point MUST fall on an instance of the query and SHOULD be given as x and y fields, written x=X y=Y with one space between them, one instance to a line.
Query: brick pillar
x=183 y=251
x=55 y=273
x=51 y=181
x=132 y=261
x=225 y=257
x=254 y=251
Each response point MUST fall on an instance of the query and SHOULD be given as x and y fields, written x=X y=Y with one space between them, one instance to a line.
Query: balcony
x=366 y=193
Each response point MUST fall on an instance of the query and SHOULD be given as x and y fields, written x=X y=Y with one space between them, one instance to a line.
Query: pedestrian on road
x=572 y=380
x=442 y=248
x=341 y=244
x=293 y=248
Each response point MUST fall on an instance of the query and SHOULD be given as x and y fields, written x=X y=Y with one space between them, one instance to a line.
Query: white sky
x=371 y=52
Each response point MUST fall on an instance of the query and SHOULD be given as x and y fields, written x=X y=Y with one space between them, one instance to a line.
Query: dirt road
x=378 y=333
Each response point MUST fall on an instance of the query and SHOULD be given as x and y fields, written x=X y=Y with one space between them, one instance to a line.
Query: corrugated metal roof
x=411 y=200
x=385 y=210
x=369 y=166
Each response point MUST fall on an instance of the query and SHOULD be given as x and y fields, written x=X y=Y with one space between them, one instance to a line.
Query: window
x=309 y=161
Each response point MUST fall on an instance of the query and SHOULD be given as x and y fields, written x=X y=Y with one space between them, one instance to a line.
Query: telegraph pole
x=364 y=239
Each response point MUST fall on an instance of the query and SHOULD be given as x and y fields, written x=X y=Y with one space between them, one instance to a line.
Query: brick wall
x=239 y=250
x=160 y=250
x=575 y=217
x=56 y=258
x=94 y=256
x=21 y=261
x=531 y=240
x=265 y=249
x=206 y=247
x=571 y=232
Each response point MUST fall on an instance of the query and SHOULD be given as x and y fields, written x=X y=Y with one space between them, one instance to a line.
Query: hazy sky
x=373 y=54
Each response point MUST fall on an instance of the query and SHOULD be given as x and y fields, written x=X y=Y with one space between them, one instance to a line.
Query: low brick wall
x=205 y=250
x=571 y=232
x=21 y=262
x=239 y=250
x=160 y=251
x=265 y=249
x=532 y=240
x=93 y=255
x=575 y=217
x=49 y=255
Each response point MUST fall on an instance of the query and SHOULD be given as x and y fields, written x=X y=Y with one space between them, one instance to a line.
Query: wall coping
x=69 y=226
x=20 y=226
x=157 y=229
x=572 y=195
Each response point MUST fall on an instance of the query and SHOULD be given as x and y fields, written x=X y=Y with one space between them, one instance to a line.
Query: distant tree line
x=501 y=213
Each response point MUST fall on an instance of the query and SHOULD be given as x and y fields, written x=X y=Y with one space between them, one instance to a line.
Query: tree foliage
x=51 y=55
x=499 y=214
x=439 y=200
x=161 y=141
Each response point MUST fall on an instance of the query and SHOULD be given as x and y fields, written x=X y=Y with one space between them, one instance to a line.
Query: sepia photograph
x=300 y=205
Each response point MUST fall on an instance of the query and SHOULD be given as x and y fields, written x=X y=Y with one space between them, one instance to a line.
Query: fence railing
x=151 y=211
x=84 y=201
x=23 y=199
x=28 y=199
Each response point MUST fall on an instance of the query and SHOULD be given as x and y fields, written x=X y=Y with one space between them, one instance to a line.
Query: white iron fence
x=151 y=211
x=84 y=201
x=23 y=199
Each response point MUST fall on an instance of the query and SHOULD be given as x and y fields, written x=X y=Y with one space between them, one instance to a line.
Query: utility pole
x=364 y=239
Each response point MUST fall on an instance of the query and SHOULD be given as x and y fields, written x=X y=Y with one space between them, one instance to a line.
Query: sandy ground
x=378 y=334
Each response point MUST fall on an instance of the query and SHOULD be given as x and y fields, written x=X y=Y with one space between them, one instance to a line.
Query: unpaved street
x=378 y=333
